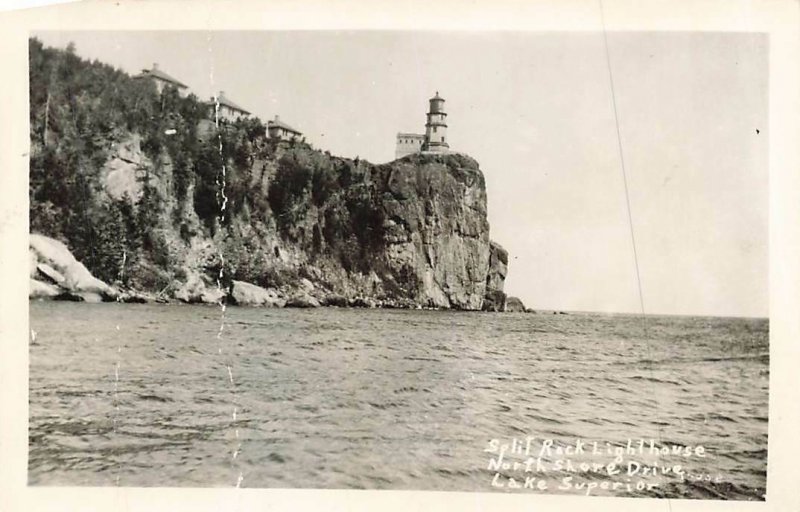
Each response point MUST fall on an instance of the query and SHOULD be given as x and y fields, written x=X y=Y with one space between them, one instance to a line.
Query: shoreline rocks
x=56 y=274
x=302 y=300
x=40 y=290
x=247 y=294
x=196 y=290
x=514 y=305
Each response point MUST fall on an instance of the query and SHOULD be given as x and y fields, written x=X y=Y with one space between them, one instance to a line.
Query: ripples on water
x=380 y=399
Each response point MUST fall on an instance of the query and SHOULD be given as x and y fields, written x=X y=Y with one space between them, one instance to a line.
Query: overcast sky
x=536 y=111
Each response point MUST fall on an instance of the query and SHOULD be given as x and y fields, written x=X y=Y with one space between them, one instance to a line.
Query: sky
x=536 y=110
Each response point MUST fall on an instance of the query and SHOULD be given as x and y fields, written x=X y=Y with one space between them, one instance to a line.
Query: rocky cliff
x=405 y=234
x=156 y=209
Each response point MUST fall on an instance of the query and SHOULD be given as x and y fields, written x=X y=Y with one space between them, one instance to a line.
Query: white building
x=408 y=143
x=226 y=109
x=162 y=80
x=277 y=129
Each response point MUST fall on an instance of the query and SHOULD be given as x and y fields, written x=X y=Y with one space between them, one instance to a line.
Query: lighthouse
x=436 y=127
x=435 y=138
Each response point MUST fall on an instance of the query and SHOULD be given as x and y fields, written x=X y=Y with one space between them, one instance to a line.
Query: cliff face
x=409 y=233
x=412 y=232
x=158 y=208
x=435 y=230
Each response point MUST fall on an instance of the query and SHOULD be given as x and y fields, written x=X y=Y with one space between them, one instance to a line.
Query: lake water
x=172 y=395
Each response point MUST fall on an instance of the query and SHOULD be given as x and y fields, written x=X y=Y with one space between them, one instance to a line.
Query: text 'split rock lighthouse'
x=435 y=138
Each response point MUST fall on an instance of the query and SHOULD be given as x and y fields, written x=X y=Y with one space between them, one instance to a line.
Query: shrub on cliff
x=287 y=193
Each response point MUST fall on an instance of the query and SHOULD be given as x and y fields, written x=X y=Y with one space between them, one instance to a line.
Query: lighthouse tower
x=436 y=127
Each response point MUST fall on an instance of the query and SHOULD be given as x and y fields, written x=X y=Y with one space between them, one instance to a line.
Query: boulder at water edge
x=514 y=305
x=302 y=300
x=40 y=290
x=55 y=265
x=246 y=294
x=197 y=291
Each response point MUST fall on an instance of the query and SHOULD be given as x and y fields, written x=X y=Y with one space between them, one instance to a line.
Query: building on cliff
x=277 y=129
x=435 y=138
x=225 y=108
x=408 y=143
x=162 y=80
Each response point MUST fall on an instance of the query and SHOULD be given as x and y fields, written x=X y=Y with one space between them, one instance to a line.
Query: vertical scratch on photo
x=117 y=365
x=223 y=202
x=116 y=398
x=646 y=340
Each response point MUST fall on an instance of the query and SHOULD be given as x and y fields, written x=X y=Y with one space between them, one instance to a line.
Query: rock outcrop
x=302 y=300
x=515 y=305
x=55 y=273
x=198 y=289
x=125 y=172
x=436 y=231
x=40 y=290
x=246 y=294
x=495 y=299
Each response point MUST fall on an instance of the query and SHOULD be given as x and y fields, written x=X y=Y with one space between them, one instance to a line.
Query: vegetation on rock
x=151 y=195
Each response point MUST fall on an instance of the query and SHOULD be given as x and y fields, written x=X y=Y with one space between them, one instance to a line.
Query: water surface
x=155 y=395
